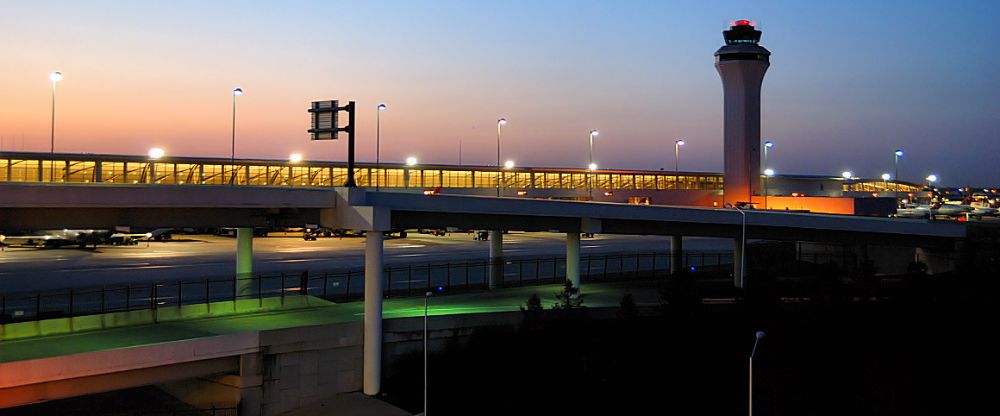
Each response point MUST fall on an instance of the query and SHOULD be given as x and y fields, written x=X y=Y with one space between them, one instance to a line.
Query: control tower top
x=742 y=32
x=742 y=40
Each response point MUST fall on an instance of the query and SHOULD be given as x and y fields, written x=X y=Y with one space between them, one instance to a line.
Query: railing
x=348 y=285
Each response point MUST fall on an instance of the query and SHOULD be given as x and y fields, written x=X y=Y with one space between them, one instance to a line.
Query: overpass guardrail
x=348 y=285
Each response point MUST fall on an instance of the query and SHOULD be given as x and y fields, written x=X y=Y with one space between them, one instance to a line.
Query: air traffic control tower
x=741 y=64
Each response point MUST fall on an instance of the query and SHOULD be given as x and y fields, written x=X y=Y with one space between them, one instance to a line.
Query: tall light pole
x=378 y=138
x=768 y=145
x=232 y=157
x=677 y=157
x=426 y=297
x=757 y=337
x=54 y=77
x=591 y=166
x=743 y=244
x=459 y=151
x=500 y=123
x=895 y=175
x=767 y=174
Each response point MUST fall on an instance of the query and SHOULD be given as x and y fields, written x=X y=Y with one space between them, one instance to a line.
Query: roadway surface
x=200 y=256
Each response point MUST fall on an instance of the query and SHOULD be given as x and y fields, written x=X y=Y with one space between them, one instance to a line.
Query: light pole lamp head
x=847 y=174
x=886 y=176
x=594 y=133
x=508 y=164
x=56 y=76
x=237 y=92
x=759 y=334
x=899 y=153
x=932 y=178
x=592 y=166
x=410 y=161
x=501 y=121
x=156 y=153
x=769 y=144
x=679 y=142
x=295 y=157
x=769 y=172
x=381 y=107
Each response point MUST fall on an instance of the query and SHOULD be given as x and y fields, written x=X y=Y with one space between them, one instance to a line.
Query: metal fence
x=348 y=285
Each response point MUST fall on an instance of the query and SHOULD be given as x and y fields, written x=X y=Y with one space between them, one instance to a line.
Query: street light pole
x=743 y=244
x=757 y=337
x=426 y=297
x=767 y=146
x=677 y=156
x=500 y=123
x=54 y=77
x=899 y=155
x=378 y=138
x=232 y=157
x=590 y=164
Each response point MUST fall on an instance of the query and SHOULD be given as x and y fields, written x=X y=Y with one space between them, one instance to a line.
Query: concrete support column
x=676 y=254
x=738 y=263
x=496 y=258
x=244 y=261
x=250 y=383
x=373 y=313
x=573 y=258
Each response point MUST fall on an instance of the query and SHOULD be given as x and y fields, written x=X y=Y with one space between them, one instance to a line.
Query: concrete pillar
x=496 y=258
x=573 y=258
x=373 y=313
x=244 y=261
x=676 y=254
x=738 y=263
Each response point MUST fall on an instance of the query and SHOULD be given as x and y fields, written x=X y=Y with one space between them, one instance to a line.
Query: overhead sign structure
x=326 y=126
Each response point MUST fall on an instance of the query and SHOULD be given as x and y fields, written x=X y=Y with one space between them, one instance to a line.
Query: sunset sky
x=850 y=81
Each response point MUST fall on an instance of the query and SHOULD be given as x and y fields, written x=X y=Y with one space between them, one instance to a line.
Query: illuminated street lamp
x=932 y=178
x=411 y=161
x=232 y=157
x=847 y=174
x=757 y=337
x=500 y=123
x=378 y=137
x=295 y=157
x=156 y=153
x=898 y=155
x=677 y=156
x=508 y=164
x=885 y=180
x=591 y=165
x=54 y=77
x=768 y=145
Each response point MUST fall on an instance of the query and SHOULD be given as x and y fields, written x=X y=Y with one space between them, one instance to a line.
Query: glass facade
x=114 y=169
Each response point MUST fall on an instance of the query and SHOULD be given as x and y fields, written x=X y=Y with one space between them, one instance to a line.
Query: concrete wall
x=148 y=316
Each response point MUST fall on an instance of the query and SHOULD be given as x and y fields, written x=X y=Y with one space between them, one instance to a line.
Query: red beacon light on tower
x=742 y=22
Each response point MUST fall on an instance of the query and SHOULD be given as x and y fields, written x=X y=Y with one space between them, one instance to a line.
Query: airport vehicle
x=231 y=231
x=433 y=231
x=58 y=238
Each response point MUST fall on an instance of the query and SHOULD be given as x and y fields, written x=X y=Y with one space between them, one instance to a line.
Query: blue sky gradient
x=849 y=82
